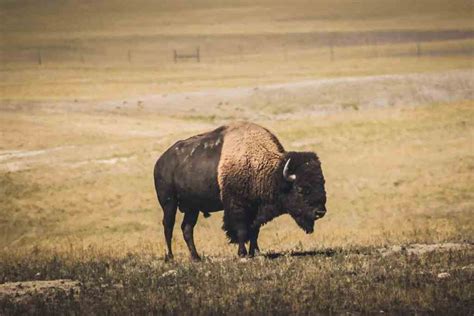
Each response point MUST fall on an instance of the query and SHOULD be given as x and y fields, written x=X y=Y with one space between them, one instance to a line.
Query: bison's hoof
x=196 y=258
x=254 y=253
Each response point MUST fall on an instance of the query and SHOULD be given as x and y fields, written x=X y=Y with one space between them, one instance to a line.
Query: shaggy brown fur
x=247 y=174
x=249 y=158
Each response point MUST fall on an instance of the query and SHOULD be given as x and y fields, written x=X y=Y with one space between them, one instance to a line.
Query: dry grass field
x=109 y=49
x=393 y=124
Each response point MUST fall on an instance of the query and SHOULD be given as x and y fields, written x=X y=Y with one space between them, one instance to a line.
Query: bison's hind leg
x=189 y=221
x=169 y=206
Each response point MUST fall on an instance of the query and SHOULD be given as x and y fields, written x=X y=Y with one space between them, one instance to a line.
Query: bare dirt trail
x=319 y=96
x=284 y=100
x=309 y=97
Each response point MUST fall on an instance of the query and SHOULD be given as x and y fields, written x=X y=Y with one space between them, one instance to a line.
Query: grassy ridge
x=76 y=19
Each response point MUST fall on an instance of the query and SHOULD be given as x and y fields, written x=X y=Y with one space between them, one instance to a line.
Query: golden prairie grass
x=393 y=176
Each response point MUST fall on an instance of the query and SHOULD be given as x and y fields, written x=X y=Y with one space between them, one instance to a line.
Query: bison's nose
x=319 y=212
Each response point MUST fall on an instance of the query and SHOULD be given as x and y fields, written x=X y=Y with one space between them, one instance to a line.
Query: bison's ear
x=286 y=172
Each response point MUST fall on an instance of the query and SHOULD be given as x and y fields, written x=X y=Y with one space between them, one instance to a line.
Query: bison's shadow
x=311 y=253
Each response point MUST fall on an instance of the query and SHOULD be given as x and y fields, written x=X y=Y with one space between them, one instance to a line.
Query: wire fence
x=287 y=47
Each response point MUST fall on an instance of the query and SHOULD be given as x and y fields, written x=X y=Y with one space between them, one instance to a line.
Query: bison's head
x=304 y=196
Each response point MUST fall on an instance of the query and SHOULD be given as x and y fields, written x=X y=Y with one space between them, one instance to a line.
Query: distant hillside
x=39 y=22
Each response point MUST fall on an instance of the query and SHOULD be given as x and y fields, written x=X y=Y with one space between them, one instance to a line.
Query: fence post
x=418 y=49
x=196 y=55
x=40 y=59
x=331 y=49
x=375 y=49
x=367 y=46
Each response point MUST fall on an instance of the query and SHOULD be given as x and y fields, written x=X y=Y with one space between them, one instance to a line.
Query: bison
x=242 y=169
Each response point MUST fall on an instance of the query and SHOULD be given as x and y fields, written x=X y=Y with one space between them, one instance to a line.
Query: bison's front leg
x=242 y=237
x=253 y=249
x=239 y=219
x=236 y=225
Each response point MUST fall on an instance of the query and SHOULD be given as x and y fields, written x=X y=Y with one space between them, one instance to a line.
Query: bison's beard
x=305 y=223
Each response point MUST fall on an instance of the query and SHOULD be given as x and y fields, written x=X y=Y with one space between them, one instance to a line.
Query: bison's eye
x=304 y=190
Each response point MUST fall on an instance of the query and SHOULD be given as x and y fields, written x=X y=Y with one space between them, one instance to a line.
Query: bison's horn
x=286 y=175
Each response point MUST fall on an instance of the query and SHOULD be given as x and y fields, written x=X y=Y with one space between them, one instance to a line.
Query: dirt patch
x=15 y=154
x=290 y=100
x=311 y=97
x=17 y=160
x=24 y=291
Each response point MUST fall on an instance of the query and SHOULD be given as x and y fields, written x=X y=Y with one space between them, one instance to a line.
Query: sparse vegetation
x=327 y=281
